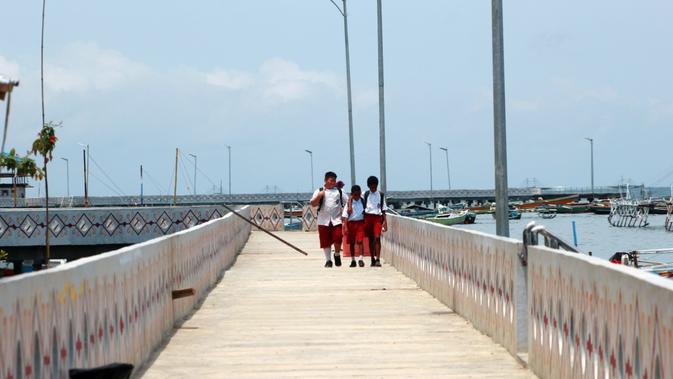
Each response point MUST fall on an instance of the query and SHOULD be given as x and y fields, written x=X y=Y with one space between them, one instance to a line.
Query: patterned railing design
x=475 y=274
x=594 y=319
x=114 y=307
x=100 y=226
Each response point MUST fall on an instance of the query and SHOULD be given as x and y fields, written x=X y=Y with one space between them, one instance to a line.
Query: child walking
x=375 y=219
x=330 y=201
x=354 y=216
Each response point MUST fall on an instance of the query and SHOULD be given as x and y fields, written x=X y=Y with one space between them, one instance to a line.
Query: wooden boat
x=470 y=218
x=417 y=211
x=546 y=211
x=656 y=261
x=555 y=201
x=514 y=214
x=449 y=218
x=573 y=208
x=600 y=208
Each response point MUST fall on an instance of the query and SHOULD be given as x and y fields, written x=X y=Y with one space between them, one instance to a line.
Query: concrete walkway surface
x=278 y=314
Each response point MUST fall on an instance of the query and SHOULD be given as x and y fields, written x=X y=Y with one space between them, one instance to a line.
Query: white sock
x=328 y=253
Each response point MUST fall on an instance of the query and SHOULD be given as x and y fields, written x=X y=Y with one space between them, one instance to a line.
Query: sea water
x=594 y=233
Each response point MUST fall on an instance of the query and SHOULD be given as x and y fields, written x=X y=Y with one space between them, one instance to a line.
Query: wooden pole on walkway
x=264 y=230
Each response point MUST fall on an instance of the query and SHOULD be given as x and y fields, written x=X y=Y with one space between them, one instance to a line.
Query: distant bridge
x=394 y=197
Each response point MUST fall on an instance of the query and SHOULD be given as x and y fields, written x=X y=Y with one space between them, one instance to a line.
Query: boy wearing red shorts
x=375 y=219
x=354 y=216
x=330 y=201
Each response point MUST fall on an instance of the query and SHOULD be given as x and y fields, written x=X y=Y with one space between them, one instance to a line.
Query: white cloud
x=86 y=66
x=277 y=80
x=230 y=79
x=9 y=69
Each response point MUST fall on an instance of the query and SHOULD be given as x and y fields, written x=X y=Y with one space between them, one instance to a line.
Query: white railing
x=575 y=316
x=594 y=319
x=475 y=274
x=113 y=307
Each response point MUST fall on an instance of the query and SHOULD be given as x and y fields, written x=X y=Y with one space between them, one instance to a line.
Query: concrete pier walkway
x=279 y=314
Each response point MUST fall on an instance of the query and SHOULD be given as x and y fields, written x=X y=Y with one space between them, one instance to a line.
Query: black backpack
x=380 y=204
x=322 y=199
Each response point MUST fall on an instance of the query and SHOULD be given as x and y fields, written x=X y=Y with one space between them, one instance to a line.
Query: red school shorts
x=329 y=235
x=356 y=231
x=373 y=225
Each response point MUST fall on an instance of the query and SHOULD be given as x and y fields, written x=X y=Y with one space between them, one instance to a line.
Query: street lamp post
x=67 y=175
x=194 y=156
x=344 y=13
x=229 y=151
x=430 y=156
x=310 y=153
x=591 y=142
x=382 y=113
x=6 y=87
x=85 y=157
x=448 y=173
x=499 y=130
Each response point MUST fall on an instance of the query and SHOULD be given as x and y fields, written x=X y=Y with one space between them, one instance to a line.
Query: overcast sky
x=136 y=79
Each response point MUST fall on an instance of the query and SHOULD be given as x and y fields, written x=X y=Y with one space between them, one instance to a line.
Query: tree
x=44 y=146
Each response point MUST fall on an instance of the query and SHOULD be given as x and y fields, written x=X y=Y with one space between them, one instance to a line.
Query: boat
x=655 y=261
x=546 y=211
x=417 y=211
x=470 y=218
x=600 y=208
x=514 y=214
x=574 y=208
x=555 y=201
x=449 y=218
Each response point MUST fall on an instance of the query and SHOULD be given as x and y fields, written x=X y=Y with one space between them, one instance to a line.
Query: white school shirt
x=358 y=211
x=331 y=207
x=373 y=204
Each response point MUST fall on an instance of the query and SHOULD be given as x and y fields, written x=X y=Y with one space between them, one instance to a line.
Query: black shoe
x=353 y=264
x=328 y=264
x=337 y=260
x=361 y=263
x=377 y=263
x=373 y=264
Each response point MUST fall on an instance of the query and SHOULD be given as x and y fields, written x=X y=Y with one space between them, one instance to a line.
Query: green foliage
x=3 y=255
x=46 y=141
x=28 y=167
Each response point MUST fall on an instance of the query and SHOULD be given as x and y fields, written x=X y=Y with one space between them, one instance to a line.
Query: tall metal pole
x=430 y=156
x=448 y=173
x=86 y=184
x=591 y=142
x=310 y=153
x=44 y=4
x=382 y=113
x=141 y=185
x=229 y=151
x=175 y=183
x=195 y=167
x=88 y=165
x=4 y=134
x=499 y=122
x=67 y=175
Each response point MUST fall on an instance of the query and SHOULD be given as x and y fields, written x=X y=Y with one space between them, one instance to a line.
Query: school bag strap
x=380 y=202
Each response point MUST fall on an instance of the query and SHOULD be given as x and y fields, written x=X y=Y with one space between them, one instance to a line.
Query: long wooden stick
x=264 y=230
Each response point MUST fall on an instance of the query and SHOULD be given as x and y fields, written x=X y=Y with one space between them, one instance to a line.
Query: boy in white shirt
x=330 y=201
x=375 y=219
x=354 y=222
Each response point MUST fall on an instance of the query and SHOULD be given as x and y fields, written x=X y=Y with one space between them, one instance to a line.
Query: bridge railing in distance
x=477 y=275
x=113 y=307
x=594 y=319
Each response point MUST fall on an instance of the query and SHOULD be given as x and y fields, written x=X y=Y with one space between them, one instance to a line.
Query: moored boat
x=449 y=218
